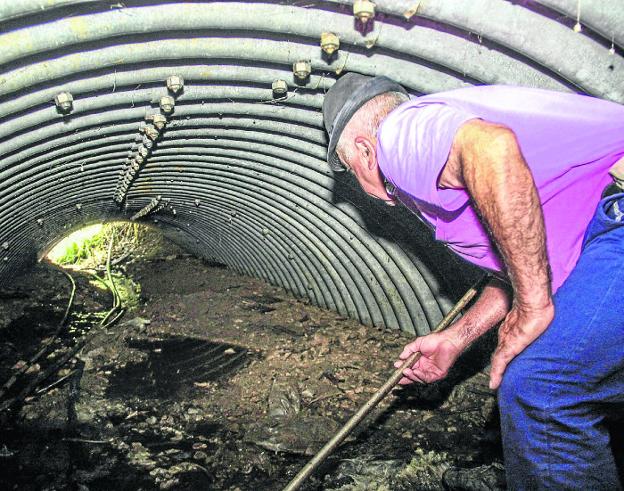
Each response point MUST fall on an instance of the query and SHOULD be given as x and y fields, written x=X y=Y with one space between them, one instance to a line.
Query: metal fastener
x=364 y=10
x=175 y=83
x=167 y=104
x=302 y=69
x=329 y=42
x=280 y=87
x=64 y=102
x=151 y=132
x=159 y=121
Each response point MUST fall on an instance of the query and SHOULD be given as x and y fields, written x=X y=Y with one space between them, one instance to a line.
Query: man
x=510 y=179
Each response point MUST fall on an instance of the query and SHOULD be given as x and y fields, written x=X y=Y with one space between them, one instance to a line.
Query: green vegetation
x=88 y=247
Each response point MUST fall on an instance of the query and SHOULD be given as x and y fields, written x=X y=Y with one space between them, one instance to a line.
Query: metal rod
x=339 y=437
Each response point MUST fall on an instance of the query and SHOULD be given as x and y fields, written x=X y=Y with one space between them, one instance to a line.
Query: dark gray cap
x=343 y=100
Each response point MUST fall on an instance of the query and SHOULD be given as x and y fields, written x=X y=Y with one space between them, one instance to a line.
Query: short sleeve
x=414 y=143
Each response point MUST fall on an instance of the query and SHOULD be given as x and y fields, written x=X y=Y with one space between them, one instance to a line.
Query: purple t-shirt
x=569 y=142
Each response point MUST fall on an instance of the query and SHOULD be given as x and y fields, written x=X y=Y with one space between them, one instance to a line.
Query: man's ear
x=367 y=152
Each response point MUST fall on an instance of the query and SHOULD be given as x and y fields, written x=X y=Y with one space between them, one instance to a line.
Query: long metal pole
x=339 y=437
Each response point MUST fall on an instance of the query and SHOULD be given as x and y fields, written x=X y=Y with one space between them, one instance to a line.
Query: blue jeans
x=556 y=394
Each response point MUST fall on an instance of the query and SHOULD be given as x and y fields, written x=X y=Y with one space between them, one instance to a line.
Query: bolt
x=167 y=104
x=364 y=10
x=40 y=222
x=280 y=87
x=175 y=83
x=5 y=245
x=197 y=202
x=151 y=132
x=159 y=121
x=64 y=102
x=302 y=69
x=329 y=43
x=78 y=206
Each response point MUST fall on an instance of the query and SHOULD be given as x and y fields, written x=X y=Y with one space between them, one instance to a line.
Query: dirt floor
x=218 y=381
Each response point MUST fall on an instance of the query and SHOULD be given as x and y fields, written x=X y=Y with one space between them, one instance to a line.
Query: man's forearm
x=503 y=190
x=490 y=309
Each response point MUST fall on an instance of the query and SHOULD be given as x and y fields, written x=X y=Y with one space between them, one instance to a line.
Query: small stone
x=229 y=351
x=199 y=455
x=5 y=245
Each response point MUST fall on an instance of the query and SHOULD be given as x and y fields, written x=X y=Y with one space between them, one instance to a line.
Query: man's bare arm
x=489 y=310
x=440 y=350
x=487 y=161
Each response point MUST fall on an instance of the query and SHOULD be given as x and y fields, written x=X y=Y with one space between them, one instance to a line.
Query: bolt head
x=159 y=121
x=302 y=69
x=175 y=83
x=151 y=132
x=364 y=10
x=64 y=102
x=167 y=104
x=280 y=87
x=329 y=42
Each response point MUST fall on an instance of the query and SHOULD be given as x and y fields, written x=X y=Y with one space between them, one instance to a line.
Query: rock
x=485 y=478
x=303 y=435
x=284 y=400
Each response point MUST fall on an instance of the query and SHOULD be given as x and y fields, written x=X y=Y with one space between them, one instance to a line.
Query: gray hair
x=367 y=120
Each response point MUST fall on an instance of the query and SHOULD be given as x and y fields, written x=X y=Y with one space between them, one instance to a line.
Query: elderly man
x=512 y=180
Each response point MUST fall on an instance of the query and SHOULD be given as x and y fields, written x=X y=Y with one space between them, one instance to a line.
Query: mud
x=219 y=381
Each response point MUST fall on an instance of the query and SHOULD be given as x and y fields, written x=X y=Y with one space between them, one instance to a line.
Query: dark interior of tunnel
x=261 y=297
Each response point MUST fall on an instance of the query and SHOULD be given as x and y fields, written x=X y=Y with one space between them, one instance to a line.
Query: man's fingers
x=410 y=349
x=409 y=373
x=500 y=360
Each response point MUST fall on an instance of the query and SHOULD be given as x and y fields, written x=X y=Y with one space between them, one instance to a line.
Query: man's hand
x=439 y=352
x=519 y=329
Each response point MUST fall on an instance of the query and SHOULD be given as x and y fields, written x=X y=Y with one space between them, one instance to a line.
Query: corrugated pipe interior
x=203 y=119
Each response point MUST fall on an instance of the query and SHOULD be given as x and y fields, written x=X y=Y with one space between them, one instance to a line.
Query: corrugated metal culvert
x=203 y=118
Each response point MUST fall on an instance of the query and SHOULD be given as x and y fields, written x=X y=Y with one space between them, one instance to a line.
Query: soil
x=220 y=381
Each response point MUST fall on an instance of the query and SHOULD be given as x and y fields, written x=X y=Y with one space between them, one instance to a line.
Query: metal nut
x=64 y=102
x=167 y=104
x=329 y=42
x=302 y=69
x=143 y=151
x=175 y=83
x=364 y=10
x=280 y=87
x=159 y=121
x=151 y=132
